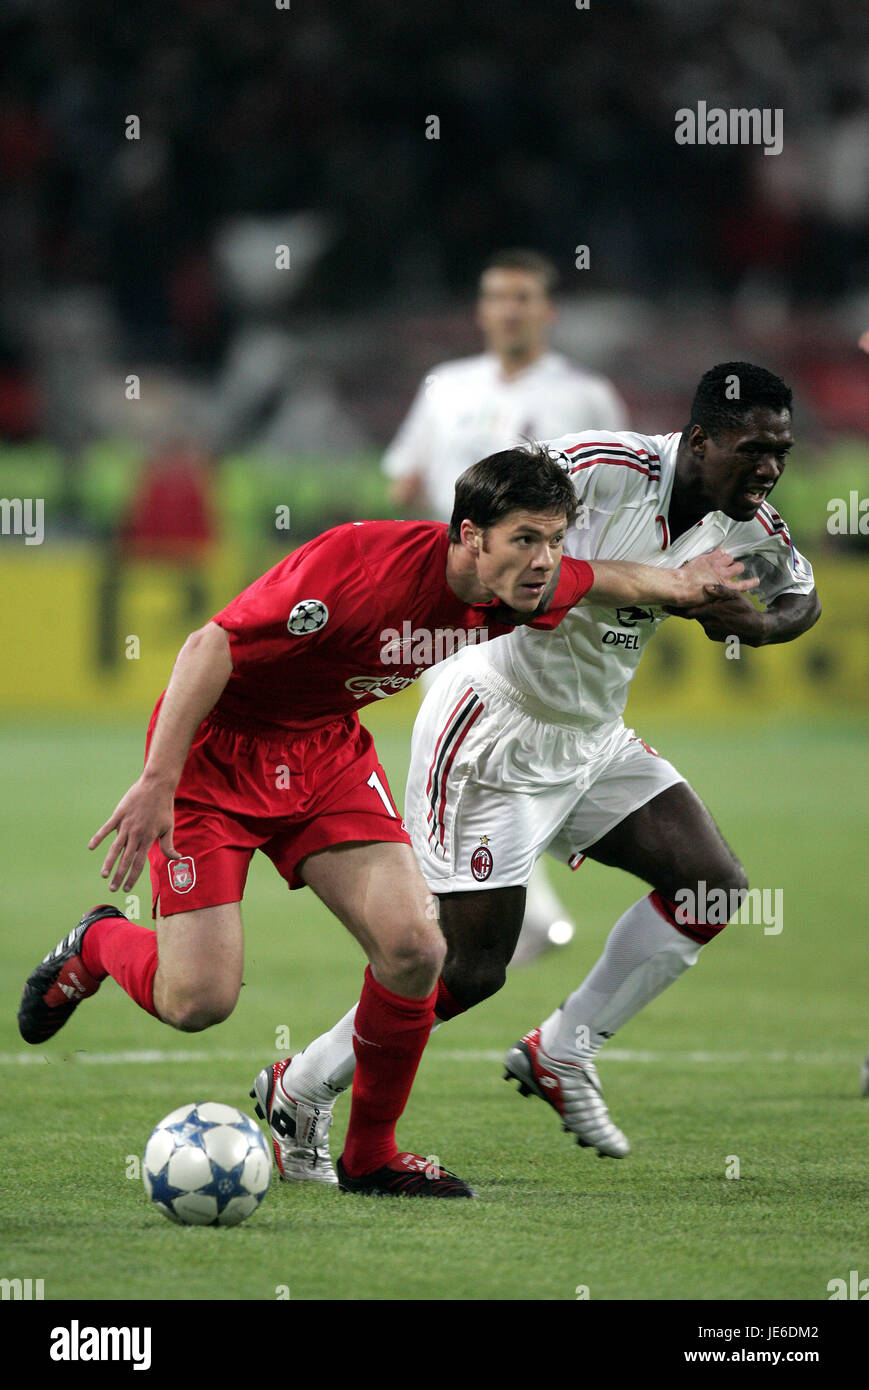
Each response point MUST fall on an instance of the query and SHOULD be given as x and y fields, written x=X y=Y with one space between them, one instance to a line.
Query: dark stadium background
x=154 y=258
x=164 y=390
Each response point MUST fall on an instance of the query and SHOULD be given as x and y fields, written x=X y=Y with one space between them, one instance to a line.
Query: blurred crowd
x=554 y=121
x=257 y=124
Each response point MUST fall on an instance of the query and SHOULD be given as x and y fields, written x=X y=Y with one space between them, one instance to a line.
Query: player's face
x=741 y=468
x=514 y=312
x=518 y=556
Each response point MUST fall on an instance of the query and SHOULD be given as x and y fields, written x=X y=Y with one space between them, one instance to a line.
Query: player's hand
x=144 y=815
x=728 y=617
x=712 y=577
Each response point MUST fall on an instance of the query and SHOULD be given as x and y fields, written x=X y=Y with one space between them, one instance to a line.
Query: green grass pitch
x=753 y=1057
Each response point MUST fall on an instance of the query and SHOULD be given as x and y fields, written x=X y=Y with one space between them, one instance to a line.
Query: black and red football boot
x=406 y=1175
x=59 y=984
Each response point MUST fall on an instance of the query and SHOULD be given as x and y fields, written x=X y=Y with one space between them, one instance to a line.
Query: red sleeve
x=304 y=600
x=574 y=581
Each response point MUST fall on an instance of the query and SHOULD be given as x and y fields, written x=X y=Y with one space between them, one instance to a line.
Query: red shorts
x=287 y=793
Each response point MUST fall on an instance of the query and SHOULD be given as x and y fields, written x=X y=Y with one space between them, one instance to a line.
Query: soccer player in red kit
x=256 y=744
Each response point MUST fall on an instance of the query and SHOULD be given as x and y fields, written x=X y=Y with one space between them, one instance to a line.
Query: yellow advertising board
x=83 y=634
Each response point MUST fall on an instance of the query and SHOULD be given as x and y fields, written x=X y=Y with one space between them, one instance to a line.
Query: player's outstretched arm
x=787 y=617
x=711 y=576
x=146 y=814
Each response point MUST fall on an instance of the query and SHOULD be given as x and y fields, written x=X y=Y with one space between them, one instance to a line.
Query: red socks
x=117 y=947
x=389 y=1035
x=446 y=1007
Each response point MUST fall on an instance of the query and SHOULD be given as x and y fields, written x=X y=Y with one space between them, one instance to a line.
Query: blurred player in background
x=519 y=388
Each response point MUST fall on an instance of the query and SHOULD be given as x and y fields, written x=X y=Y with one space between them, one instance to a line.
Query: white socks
x=644 y=954
x=326 y=1064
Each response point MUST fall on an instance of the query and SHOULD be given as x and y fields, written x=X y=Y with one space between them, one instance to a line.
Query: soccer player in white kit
x=467 y=409
x=520 y=746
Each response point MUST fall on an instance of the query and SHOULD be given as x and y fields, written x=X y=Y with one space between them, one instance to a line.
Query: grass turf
x=783 y=1019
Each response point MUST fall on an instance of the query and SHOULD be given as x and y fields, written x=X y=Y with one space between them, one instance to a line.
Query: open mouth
x=756 y=495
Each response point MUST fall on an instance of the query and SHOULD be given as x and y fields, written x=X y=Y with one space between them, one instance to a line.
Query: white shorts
x=494 y=782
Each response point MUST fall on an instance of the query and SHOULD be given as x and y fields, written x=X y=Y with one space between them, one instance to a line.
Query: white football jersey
x=584 y=667
x=466 y=410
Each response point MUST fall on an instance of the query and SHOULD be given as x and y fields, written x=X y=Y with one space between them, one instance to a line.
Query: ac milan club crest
x=481 y=860
x=182 y=874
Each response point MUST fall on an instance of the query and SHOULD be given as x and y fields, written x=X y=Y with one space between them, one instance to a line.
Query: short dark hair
x=730 y=390
x=517 y=259
x=528 y=478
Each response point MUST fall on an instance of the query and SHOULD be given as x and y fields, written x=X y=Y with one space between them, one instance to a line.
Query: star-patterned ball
x=207 y=1164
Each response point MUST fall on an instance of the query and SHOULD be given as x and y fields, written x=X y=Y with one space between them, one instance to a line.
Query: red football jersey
x=354 y=615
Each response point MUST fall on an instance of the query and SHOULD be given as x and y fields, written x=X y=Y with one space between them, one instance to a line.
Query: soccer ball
x=207 y=1165
x=309 y=615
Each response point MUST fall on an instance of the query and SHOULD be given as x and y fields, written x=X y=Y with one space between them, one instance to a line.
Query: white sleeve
x=409 y=451
x=774 y=560
x=606 y=469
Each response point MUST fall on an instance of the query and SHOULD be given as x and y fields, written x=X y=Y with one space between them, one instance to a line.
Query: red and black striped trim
x=622 y=455
x=773 y=524
x=701 y=932
x=463 y=715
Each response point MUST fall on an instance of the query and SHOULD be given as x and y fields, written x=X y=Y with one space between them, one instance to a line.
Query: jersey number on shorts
x=375 y=782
